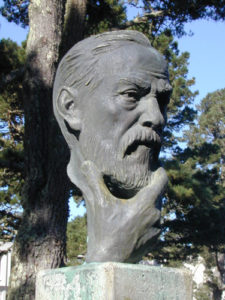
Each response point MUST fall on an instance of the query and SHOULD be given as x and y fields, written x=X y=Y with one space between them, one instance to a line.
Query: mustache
x=148 y=137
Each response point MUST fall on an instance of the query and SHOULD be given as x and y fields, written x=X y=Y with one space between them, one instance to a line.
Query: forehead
x=133 y=59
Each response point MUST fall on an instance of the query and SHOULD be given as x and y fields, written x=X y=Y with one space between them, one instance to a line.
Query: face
x=123 y=117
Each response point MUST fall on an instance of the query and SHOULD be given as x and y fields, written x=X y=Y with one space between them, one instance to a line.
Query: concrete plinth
x=114 y=281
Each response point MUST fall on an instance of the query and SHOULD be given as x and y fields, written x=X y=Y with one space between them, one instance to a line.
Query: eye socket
x=130 y=95
x=163 y=100
x=133 y=95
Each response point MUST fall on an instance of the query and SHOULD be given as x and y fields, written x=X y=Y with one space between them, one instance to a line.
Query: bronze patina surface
x=110 y=97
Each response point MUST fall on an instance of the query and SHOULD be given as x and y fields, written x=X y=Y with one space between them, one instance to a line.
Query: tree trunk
x=41 y=239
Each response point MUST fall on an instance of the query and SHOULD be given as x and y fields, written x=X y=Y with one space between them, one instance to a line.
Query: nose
x=151 y=115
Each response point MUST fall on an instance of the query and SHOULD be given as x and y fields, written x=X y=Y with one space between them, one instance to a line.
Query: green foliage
x=193 y=220
x=173 y=14
x=11 y=135
x=210 y=132
x=12 y=56
x=11 y=66
x=103 y=15
x=196 y=203
x=16 y=11
x=76 y=240
x=194 y=206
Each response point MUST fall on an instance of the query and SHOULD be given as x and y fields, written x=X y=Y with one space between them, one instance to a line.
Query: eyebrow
x=139 y=80
x=135 y=81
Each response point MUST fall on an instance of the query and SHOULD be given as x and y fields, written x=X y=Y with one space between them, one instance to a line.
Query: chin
x=125 y=189
x=126 y=182
x=124 y=173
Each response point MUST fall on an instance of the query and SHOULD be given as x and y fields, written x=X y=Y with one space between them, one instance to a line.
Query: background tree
x=195 y=201
x=210 y=131
x=11 y=137
x=209 y=135
x=161 y=15
x=16 y=11
x=40 y=242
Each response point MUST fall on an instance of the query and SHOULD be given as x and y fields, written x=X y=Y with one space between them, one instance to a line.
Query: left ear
x=67 y=106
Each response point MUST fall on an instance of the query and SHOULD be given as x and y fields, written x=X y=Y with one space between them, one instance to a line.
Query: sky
x=207 y=56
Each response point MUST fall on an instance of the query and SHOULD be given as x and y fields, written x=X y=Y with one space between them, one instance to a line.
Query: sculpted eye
x=131 y=95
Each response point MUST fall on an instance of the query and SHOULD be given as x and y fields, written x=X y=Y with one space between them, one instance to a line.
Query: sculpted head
x=110 y=97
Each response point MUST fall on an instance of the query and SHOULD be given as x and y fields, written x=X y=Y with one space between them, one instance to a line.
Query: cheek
x=111 y=113
x=101 y=119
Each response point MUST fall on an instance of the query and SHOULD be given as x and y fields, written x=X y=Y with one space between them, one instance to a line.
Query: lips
x=133 y=147
x=149 y=139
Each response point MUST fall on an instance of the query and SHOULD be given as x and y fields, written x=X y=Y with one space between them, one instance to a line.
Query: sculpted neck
x=121 y=230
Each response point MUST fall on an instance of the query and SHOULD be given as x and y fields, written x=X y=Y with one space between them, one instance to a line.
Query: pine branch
x=8 y=215
x=12 y=165
x=14 y=75
x=143 y=19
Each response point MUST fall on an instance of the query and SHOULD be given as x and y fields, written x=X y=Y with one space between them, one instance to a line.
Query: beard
x=128 y=167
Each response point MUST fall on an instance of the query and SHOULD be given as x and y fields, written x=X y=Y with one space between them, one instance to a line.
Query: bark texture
x=40 y=242
x=73 y=23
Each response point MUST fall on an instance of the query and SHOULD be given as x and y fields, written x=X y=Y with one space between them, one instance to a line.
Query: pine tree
x=161 y=15
x=210 y=131
x=11 y=137
x=209 y=136
x=194 y=207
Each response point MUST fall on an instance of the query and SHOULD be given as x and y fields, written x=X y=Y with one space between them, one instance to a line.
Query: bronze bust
x=110 y=98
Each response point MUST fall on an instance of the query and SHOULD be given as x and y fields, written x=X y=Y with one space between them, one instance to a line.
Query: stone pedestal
x=114 y=281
